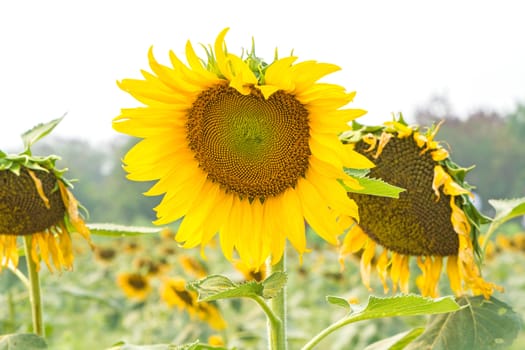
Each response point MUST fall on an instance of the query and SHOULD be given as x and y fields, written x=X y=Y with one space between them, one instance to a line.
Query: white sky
x=65 y=56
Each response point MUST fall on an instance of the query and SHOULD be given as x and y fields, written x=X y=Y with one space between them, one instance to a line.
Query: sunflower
x=35 y=201
x=432 y=220
x=136 y=286
x=105 y=255
x=243 y=148
x=192 y=266
x=210 y=314
x=250 y=274
x=174 y=293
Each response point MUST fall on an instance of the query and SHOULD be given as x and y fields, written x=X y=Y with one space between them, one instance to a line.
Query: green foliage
x=36 y=133
x=481 y=324
x=398 y=341
x=215 y=287
x=22 y=341
x=402 y=305
x=491 y=142
x=103 y=187
x=371 y=186
x=106 y=229
x=507 y=209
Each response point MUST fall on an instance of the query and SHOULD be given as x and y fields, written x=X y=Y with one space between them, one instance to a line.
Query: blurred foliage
x=102 y=188
x=488 y=140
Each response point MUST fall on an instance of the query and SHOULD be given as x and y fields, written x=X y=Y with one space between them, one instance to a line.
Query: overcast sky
x=65 y=56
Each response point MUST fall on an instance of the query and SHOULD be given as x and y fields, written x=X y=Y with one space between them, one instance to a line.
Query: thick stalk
x=34 y=290
x=277 y=327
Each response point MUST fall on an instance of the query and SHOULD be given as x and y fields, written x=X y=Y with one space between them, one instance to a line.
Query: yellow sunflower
x=210 y=314
x=35 y=201
x=192 y=266
x=432 y=220
x=250 y=274
x=174 y=293
x=104 y=254
x=135 y=286
x=243 y=148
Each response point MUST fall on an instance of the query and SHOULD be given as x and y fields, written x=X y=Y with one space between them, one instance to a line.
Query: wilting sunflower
x=136 y=286
x=243 y=148
x=432 y=220
x=35 y=201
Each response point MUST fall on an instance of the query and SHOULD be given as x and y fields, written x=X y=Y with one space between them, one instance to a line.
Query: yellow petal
x=366 y=263
x=316 y=212
x=280 y=75
x=220 y=55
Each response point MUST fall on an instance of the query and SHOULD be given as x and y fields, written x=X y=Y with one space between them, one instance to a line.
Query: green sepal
x=215 y=287
x=480 y=324
x=37 y=132
x=114 y=230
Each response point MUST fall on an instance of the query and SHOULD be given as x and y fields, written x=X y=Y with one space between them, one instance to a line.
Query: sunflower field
x=248 y=208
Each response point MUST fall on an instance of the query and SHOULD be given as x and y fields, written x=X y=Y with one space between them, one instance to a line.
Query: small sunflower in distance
x=35 y=202
x=136 y=286
x=433 y=219
x=243 y=148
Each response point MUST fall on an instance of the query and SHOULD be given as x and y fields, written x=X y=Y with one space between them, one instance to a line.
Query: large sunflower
x=432 y=220
x=243 y=148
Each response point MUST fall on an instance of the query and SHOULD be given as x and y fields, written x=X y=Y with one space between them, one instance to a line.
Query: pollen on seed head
x=251 y=146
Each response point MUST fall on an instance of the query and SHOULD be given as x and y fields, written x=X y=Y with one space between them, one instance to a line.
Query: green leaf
x=104 y=229
x=396 y=342
x=371 y=186
x=273 y=284
x=335 y=300
x=216 y=287
x=403 y=305
x=22 y=341
x=36 y=133
x=481 y=324
x=124 y=346
x=377 y=187
x=506 y=209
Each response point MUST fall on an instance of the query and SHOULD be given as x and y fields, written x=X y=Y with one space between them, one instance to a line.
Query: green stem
x=20 y=275
x=488 y=236
x=325 y=332
x=34 y=290
x=277 y=326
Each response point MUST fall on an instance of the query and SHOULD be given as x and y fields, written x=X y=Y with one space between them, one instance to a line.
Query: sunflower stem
x=277 y=325
x=325 y=332
x=19 y=274
x=35 y=297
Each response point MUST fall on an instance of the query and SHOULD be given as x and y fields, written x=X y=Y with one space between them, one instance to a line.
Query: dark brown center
x=250 y=146
x=416 y=223
x=22 y=210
